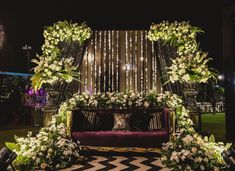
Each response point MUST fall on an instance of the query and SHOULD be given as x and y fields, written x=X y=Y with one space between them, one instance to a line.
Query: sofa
x=105 y=136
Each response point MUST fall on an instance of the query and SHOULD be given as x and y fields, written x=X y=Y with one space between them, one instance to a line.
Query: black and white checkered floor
x=119 y=163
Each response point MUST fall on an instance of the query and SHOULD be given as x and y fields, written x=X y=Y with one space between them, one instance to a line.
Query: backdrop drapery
x=117 y=60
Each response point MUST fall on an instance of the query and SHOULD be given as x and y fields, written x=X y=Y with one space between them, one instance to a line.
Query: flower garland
x=179 y=34
x=191 y=65
x=51 y=149
x=119 y=100
x=50 y=67
x=192 y=68
x=189 y=151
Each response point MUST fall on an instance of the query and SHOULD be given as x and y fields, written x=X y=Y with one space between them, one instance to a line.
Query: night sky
x=24 y=21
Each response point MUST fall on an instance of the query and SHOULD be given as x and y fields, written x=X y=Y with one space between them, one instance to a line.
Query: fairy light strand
x=95 y=72
x=117 y=61
x=146 y=61
x=142 y=60
x=112 y=59
x=100 y=59
x=130 y=60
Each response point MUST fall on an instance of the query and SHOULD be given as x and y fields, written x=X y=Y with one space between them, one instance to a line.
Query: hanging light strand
x=117 y=60
x=131 y=59
x=112 y=59
x=100 y=40
x=135 y=60
x=110 y=62
x=142 y=61
x=146 y=60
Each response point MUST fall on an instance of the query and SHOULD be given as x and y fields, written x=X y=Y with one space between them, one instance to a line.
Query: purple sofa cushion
x=121 y=138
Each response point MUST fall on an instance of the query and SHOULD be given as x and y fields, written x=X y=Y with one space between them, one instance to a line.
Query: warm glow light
x=127 y=67
x=220 y=77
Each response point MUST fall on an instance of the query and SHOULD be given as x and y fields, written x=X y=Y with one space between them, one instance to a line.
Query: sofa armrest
x=69 y=122
x=166 y=113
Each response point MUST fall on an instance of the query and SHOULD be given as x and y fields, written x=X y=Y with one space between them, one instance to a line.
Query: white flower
x=43 y=148
x=49 y=151
x=187 y=139
x=194 y=150
x=43 y=165
x=146 y=104
x=57 y=166
x=202 y=167
x=174 y=156
x=38 y=160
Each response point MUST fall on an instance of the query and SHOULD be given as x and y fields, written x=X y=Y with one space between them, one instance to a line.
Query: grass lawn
x=7 y=135
x=214 y=124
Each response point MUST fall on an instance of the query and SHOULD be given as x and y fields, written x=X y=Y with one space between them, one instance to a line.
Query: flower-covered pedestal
x=190 y=94
x=53 y=100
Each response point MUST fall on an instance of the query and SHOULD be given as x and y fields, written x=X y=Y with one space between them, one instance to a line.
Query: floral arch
x=47 y=149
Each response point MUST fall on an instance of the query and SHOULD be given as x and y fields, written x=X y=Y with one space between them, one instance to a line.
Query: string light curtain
x=118 y=60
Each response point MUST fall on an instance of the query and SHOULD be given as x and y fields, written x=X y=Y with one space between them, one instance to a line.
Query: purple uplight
x=35 y=98
x=40 y=92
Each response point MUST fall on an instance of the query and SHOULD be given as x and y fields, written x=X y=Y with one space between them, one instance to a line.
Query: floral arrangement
x=179 y=34
x=51 y=149
x=119 y=100
x=187 y=150
x=193 y=152
x=50 y=67
x=191 y=68
x=191 y=65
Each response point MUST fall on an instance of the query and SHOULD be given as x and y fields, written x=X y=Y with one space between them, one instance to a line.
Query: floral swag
x=51 y=149
x=186 y=149
x=51 y=68
x=191 y=64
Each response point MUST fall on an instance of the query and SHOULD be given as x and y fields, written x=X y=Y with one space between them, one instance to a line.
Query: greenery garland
x=50 y=67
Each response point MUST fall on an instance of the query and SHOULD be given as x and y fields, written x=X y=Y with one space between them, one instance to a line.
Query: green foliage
x=12 y=146
x=23 y=163
x=212 y=138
